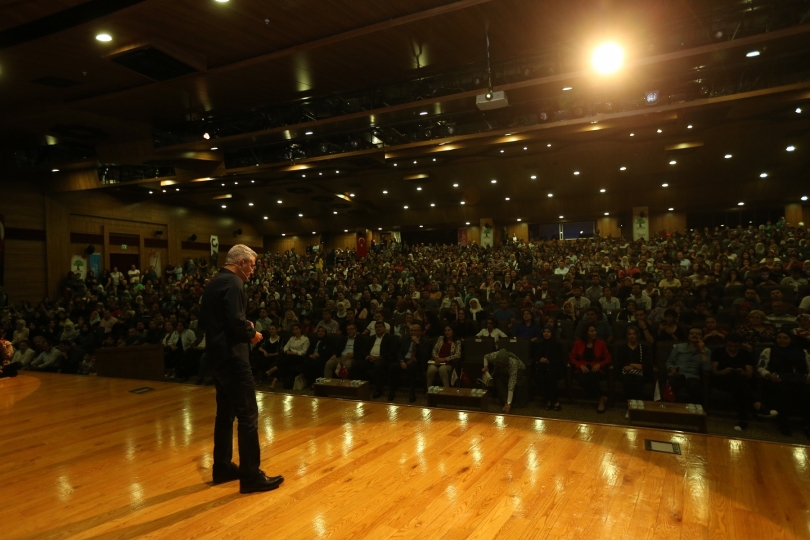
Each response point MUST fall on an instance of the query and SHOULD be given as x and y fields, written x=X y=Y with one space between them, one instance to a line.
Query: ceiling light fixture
x=150 y=193
x=419 y=189
x=54 y=170
x=467 y=223
x=279 y=202
x=763 y=175
x=727 y=156
x=740 y=203
x=420 y=226
x=507 y=198
x=607 y=213
x=632 y=134
x=405 y=207
x=562 y=217
x=282 y=234
x=602 y=190
x=265 y=217
x=300 y=215
x=250 y=204
x=224 y=206
x=432 y=204
x=622 y=168
x=804 y=198
x=104 y=37
x=462 y=202
x=308 y=133
x=670 y=209
x=550 y=194
x=351 y=194
x=790 y=148
x=206 y=135
x=493 y=181
x=607 y=58
x=518 y=219
x=549 y=145
x=423 y=113
x=385 y=192
x=660 y=131
x=673 y=162
x=567 y=88
x=576 y=173
x=689 y=126
x=664 y=185
x=455 y=185
x=798 y=110
x=335 y=212
x=533 y=177
x=752 y=54
x=214 y=148
x=525 y=147
x=501 y=151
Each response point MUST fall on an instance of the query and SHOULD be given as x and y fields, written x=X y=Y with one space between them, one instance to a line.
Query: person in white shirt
x=24 y=355
x=116 y=276
x=804 y=307
x=378 y=317
x=491 y=331
x=609 y=302
x=134 y=275
x=107 y=321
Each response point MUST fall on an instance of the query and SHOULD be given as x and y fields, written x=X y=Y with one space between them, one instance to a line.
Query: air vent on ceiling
x=55 y=82
x=153 y=63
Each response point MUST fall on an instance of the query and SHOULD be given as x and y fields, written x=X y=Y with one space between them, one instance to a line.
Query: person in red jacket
x=591 y=358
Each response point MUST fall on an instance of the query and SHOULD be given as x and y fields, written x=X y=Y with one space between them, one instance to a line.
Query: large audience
x=718 y=317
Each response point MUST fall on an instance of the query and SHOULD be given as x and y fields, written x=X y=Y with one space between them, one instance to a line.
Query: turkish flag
x=362 y=248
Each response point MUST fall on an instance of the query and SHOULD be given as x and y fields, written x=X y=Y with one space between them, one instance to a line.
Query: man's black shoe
x=376 y=394
x=260 y=483
x=228 y=474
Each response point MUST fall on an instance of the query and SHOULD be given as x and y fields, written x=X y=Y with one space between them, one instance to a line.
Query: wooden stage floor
x=82 y=457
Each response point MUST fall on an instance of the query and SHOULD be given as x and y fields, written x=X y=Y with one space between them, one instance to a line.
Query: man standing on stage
x=227 y=334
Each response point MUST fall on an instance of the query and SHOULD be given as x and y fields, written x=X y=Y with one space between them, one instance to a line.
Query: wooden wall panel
x=608 y=227
x=25 y=268
x=794 y=214
x=473 y=235
x=668 y=221
x=521 y=230
x=286 y=243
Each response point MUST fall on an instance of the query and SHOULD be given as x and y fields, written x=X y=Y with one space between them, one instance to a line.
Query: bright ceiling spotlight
x=104 y=37
x=763 y=175
x=804 y=197
x=206 y=135
x=670 y=209
x=752 y=54
x=607 y=58
x=790 y=148
x=740 y=204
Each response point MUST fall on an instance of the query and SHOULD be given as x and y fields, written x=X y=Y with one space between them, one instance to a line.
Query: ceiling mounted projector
x=497 y=100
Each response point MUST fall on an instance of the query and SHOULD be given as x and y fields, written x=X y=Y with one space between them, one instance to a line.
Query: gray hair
x=239 y=252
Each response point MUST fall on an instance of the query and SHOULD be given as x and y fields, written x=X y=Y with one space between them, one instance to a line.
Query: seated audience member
x=802 y=332
x=732 y=372
x=685 y=364
x=593 y=318
x=635 y=359
x=492 y=331
x=578 y=302
x=595 y=291
x=8 y=367
x=503 y=313
x=590 y=359
x=446 y=351
x=20 y=333
x=23 y=356
x=378 y=316
x=413 y=353
x=804 y=305
x=549 y=367
x=377 y=355
x=713 y=335
x=509 y=374
x=477 y=313
x=628 y=313
x=328 y=323
x=264 y=357
x=527 y=329
x=50 y=359
x=462 y=327
x=72 y=356
x=345 y=353
x=130 y=340
x=779 y=315
x=287 y=321
x=670 y=330
x=756 y=330
x=291 y=360
x=608 y=302
x=88 y=364
x=568 y=312
x=318 y=353
x=786 y=370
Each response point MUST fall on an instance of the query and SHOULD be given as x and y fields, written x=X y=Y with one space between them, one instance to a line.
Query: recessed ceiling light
x=455 y=185
x=550 y=194
x=525 y=147
x=308 y=133
x=632 y=134
x=351 y=194
x=224 y=184
x=104 y=37
x=798 y=110
x=566 y=88
x=150 y=193
x=659 y=131
x=419 y=189
x=420 y=226
x=178 y=189
x=313 y=232
x=576 y=173
x=493 y=181
x=335 y=212
x=602 y=190
x=54 y=170
x=689 y=126
x=673 y=162
x=206 y=135
x=414 y=162
x=214 y=148
x=253 y=181
x=549 y=145
x=432 y=204
x=763 y=175
x=790 y=148
x=518 y=219
x=300 y=215
x=303 y=176
x=164 y=191
x=385 y=192
x=670 y=209
x=405 y=207
x=320 y=174
x=467 y=223
x=462 y=202
x=533 y=177
x=622 y=168
x=507 y=198
x=752 y=54
x=282 y=234
x=740 y=204
x=337 y=172
x=607 y=213
x=804 y=198
x=224 y=206
x=265 y=217
x=345 y=230
x=395 y=164
x=236 y=183
x=434 y=159
x=221 y=1
x=379 y=228
x=562 y=217
x=501 y=151
x=664 y=185
x=279 y=202
x=423 y=113
x=727 y=156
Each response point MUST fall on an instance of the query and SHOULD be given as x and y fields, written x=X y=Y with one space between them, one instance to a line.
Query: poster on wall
x=2 y=250
x=214 y=251
x=641 y=223
x=462 y=237
x=487 y=235
x=362 y=247
x=94 y=260
x=78 y=264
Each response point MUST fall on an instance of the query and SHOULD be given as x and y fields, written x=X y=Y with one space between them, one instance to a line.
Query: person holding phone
x=685 y=363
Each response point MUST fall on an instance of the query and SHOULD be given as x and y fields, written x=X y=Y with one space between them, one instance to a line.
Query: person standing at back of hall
x=228 y=334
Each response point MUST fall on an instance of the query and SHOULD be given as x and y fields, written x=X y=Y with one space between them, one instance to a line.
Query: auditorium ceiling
x=74 y=109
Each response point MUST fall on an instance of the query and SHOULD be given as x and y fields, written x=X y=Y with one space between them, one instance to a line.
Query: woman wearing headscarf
x=786 y=370
x=477 y=313
x=550 y=367
x=509 y=373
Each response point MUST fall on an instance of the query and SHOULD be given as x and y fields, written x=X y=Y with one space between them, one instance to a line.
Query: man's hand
x=256 y=338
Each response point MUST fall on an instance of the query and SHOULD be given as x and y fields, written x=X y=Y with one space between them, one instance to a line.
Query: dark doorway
x=124 y=261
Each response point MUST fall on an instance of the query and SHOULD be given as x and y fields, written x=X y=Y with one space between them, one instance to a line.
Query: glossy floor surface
x=82 y=457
